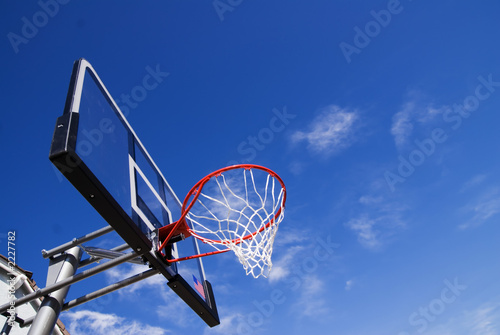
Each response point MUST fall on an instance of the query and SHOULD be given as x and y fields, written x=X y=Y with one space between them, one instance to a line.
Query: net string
x=245 y=222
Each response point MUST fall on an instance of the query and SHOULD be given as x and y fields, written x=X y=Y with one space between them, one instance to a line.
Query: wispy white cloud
x=483 y=320
x=482 y=209
x=282 y=267
x=312 y=302
x=173 y=308
x=229 y=324
x=429 y=113
x=296 y=167
x=473 y=182
x=367 y=233
x=378 y=221
x=349 y=284
x=402 y=125
x=332 y=131
x=88 y=322
x=290 y=237
x=315 y=286
x=370 y=199
x=291 y=243
x=412 y=112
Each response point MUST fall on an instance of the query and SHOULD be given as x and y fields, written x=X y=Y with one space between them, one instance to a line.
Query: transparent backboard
x=95 y=147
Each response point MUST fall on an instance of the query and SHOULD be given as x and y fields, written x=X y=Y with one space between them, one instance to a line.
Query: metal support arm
x=76 y=241
x=70 y=280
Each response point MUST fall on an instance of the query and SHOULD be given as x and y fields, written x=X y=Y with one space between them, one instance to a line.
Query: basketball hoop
x=237 y=208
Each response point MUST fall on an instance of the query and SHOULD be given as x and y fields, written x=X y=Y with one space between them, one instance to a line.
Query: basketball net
x=240 y=209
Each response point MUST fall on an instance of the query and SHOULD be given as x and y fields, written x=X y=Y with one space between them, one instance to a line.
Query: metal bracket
x=109 y=254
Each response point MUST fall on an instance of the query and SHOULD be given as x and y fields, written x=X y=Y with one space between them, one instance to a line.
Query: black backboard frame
x=64 y=156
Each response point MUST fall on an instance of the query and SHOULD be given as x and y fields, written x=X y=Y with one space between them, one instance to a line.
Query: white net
x=240 y=210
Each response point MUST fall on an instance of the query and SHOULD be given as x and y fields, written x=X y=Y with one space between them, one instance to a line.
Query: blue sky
x=380 y=116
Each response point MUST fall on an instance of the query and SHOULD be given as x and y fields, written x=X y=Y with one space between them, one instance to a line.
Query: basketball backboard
x=97 y=150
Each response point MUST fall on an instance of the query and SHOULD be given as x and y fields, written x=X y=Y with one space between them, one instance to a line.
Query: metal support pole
x=68 y=281
x=6 y=328
x=61 y=268
x=77 y=241
x=99 y=293
x=110 y=288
